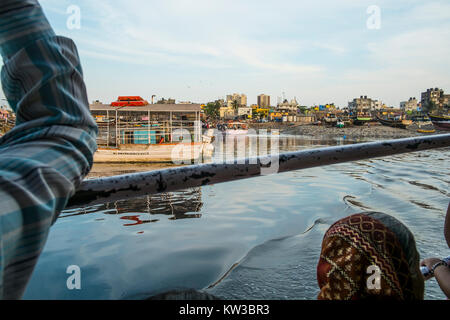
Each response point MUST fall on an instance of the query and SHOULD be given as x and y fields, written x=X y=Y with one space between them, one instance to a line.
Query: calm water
x=272 y=226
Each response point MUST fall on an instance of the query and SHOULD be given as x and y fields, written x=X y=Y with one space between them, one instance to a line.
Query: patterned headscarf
x=361 y=248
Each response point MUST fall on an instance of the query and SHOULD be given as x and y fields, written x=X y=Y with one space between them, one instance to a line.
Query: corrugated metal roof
x=150 y=107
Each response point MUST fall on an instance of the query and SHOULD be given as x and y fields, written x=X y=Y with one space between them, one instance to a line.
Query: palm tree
x=235 y=104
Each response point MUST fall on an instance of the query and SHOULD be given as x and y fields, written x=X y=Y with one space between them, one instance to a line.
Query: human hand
x=429 y=263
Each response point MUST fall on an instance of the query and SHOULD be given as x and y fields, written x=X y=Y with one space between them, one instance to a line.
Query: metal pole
x=170 y=124
x=117 y=132
x=138 y=184
x=107 y=123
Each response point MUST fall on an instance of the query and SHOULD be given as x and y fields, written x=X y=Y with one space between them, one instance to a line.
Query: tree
x=429 y=107
x=212 y=110
x=303 y=109
x=235 y=104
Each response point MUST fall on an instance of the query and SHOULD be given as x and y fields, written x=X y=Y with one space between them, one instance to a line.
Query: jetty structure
x=132 y=130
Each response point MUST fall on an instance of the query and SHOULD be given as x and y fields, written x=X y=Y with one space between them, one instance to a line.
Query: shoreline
x=373 y=131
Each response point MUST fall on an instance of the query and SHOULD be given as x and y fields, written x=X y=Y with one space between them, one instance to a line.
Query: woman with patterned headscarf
x=369 y=256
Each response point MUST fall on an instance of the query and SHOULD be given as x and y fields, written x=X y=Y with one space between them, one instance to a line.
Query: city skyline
x=318 y=52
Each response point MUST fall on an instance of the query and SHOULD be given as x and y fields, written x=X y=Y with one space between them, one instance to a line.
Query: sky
x=319 y=51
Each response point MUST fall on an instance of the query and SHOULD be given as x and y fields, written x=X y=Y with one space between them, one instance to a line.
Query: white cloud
x=320 y=50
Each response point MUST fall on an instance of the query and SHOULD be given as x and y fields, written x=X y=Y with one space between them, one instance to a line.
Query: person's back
x=47 y=154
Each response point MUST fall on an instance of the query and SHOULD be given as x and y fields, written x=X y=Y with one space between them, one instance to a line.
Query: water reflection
x=177 y=205
x=229 y=147
x=272 y=226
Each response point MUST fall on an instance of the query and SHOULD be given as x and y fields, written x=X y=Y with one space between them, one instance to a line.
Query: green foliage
x=212 y=110
x=235 y=104
x=303 y=109
x=429 y=107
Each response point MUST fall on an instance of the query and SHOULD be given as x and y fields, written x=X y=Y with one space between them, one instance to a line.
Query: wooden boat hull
x=330 y=122
x=441 y=122
x=361 y=121
x=426 y=131
x=402 y=124
x=174 y=152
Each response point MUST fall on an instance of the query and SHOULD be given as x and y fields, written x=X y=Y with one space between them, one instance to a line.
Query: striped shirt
x=50 y=150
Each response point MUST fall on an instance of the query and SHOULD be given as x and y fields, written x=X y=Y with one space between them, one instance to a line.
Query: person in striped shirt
x=46 y=155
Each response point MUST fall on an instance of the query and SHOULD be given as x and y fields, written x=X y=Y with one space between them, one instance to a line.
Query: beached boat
x=234 y=128
x=150 y=133
x=395 y=123
x=426 y=130
x=422 y=121
x=361 y=120
x=330 y=119
x=441 y=122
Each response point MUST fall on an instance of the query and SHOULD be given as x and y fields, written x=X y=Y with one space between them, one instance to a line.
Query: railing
x=139 y=184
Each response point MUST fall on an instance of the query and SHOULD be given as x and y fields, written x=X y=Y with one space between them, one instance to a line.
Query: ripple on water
x=260 y=237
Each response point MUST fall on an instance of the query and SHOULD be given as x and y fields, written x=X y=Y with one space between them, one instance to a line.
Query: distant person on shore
x=369 y=256
x=50 y=150
x=438 y=268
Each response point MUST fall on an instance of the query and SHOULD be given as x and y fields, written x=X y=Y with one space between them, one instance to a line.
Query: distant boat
x=426 y=130
x=234 y=128
x=440 y=122
x=361 y=120
x=421 y=120
x=395 y=123
x=331 y=119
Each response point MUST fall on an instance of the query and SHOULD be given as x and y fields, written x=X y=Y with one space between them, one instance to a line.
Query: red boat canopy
x=129 y=98
x=124 y=101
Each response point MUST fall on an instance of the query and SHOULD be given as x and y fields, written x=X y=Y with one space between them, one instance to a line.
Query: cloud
x=320 y=51
x=187 y=33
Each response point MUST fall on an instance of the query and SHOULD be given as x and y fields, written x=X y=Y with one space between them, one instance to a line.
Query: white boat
x=175 y=152
x=235 y=128
x=151 y=133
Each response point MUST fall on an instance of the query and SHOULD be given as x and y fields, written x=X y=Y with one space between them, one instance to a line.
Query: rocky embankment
x=373 y=131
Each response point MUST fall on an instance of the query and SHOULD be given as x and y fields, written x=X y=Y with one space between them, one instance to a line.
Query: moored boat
x=426 y=130
x=395 y=123
x=330 y=119
x=441 y=122
x=361 y=120
x=234 y=128
x=150 y=133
